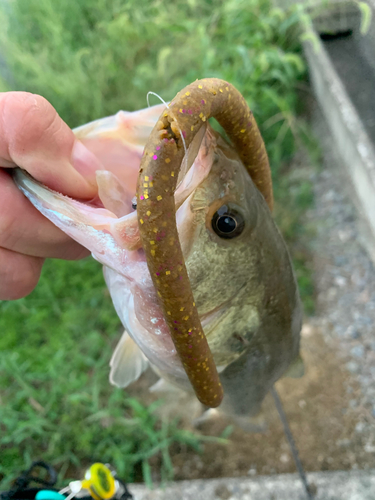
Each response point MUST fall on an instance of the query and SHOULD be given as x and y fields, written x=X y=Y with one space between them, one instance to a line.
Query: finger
x=35 y=138
x=19 y=274
x=25 y=230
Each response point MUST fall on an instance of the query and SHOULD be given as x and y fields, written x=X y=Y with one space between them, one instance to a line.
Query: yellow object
x=99 y=482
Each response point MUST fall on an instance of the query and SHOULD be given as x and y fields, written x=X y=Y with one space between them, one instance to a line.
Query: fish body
x=237 y=261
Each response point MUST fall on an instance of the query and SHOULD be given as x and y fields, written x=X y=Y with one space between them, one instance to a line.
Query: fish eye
x=227 y=222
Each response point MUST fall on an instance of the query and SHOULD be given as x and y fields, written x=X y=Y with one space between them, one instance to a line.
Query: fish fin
x=127 y=363
x=248 y=424
x=163 y=387
x=254 y=424
x=210 y=416
x=296 y=369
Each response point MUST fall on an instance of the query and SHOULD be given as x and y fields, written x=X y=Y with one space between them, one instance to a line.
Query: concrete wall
x=348 y=133
x=367 y=41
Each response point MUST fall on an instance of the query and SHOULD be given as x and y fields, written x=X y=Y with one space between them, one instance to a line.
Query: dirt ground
x=318 y=406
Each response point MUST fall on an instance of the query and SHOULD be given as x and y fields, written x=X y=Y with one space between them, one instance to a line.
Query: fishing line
x=292 y=443
x=162 y=100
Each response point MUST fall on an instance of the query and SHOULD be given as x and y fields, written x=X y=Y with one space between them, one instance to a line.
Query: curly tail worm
x=156 y=210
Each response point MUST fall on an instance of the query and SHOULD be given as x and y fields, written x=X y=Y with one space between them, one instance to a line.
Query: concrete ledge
x=348 y=133
x=353 y=485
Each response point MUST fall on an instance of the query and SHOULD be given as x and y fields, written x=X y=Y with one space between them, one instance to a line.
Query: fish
x=238 y=264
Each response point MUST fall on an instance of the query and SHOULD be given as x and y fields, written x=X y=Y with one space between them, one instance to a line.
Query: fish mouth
x=116 y=195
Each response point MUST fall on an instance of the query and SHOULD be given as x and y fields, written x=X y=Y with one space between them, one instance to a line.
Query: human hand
x=35 y=138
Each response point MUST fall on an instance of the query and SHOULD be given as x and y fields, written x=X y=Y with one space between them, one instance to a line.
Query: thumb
x=35 y=138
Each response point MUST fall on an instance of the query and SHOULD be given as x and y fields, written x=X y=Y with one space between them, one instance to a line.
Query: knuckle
x=19 y=276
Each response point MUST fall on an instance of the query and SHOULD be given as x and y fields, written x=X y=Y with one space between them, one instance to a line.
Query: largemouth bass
x=237 y=262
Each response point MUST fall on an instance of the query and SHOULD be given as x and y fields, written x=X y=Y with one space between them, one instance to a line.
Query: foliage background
x=90 y=58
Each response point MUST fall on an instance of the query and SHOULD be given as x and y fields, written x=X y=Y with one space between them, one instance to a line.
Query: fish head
x=238 y=265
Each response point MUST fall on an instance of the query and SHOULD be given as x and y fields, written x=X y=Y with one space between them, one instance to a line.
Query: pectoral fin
x=248 y=424
x=128 y=362
x=296 y=369
x=163 y=387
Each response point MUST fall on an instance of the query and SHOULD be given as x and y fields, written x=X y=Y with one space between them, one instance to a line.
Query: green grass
x=295 y=196
x=56 y=402
x=90 y=58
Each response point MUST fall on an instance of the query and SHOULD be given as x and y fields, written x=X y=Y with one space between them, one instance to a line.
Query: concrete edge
x=351 y=485
x=348 y=133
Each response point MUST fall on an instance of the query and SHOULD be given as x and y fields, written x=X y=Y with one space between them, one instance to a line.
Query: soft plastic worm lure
x=156 y=209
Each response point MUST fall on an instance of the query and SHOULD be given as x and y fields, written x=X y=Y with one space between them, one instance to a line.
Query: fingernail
x=85 y=162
